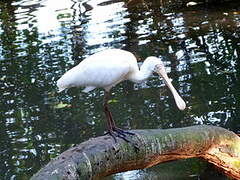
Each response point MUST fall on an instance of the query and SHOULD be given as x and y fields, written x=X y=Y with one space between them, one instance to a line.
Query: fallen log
x=101 y=156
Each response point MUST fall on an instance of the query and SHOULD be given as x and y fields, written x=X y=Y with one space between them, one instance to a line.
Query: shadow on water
x=40 y=40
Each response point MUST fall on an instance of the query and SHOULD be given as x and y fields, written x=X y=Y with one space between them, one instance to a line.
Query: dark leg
x=113 y=130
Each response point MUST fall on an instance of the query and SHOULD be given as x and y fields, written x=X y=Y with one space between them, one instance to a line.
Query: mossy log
x=101 y=156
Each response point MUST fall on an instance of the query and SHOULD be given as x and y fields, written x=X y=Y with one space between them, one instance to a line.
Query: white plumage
x=107 y=68
x=103 y=69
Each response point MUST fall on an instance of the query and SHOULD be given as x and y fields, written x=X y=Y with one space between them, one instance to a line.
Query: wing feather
x=104 y=69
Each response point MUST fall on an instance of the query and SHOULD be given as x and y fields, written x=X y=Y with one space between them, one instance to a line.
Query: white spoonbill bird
x=107 y=68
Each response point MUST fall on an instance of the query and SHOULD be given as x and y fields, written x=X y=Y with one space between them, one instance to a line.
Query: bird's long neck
x=142 y=74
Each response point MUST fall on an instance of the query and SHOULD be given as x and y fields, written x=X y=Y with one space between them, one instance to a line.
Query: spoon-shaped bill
x=179 y=101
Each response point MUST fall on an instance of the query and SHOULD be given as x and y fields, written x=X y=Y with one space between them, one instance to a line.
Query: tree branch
x=101 y=156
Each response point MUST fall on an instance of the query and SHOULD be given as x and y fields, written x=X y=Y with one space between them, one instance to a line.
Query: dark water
x=40 y=40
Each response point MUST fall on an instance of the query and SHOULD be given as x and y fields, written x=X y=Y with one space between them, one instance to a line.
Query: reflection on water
x=40 y=40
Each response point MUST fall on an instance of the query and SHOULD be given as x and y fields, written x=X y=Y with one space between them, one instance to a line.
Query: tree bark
x=101 y=156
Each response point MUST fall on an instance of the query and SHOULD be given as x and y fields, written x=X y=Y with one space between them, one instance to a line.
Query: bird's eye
x=158 y=67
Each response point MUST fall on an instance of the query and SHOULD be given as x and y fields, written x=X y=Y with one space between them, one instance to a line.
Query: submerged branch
x=101 y=156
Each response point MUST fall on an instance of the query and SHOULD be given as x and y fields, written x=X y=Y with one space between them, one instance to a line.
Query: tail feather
x=60 y=86
x=60 y=89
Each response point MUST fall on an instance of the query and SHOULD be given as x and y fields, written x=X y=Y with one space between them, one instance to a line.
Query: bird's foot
x=120 y=133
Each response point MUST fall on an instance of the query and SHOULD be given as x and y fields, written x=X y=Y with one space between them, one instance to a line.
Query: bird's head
x=156 y=65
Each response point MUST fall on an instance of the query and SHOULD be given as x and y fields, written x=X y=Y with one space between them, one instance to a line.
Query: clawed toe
x=120 y=133
x=117 y=133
